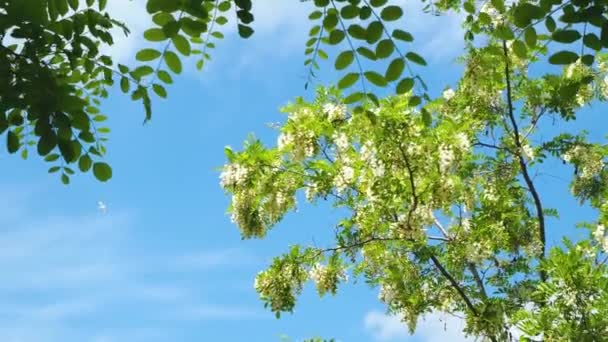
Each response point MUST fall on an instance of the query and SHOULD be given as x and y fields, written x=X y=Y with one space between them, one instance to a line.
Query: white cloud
x=434 y=327
x=134 y=14
x=58 y=268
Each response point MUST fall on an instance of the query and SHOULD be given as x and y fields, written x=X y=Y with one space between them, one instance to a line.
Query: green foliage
x=54 y=78
x=441 y=211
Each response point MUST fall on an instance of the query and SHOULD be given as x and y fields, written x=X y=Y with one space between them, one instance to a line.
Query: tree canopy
x=443 y=209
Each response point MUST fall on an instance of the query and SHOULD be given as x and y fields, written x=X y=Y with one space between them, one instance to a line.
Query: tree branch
x=522 y=162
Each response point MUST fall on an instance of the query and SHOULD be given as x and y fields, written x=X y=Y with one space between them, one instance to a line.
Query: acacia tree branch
x=522 y=162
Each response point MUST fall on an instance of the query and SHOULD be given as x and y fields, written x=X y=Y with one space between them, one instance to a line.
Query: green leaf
x=566 y=36
x=519 y=48
x=162 y=18
x=349 y=11
x=51 y=157
x=159 y=90
x=315 y=15
x=563 y=58
x=142 y=71
x=147 y=55
x=47 y=143
x=344 y=59
x=330 y=21
x=336 y=36
x=374 y=32
x=375 y=78
x=530 y=37
x=65 y=179
x=604 y=34
x=391 y=13
x=54 y=169
x=73 y=4
x=403 y=35
x=550 y=24
x=102 y=171
x=426 y=117
x=164 y=76
x=171 y=29
x=385 y=48
x=588 y=59
x=354 y=97
x=124 y=84
x=357 y=31
x=591 y=40
x=469 y=7
x=182 y=44
x=61 y=6
x=245 y=31
x=348 y=80
x=416 y=58
x=504 y=32
x=12 y=142
x=85 y=163
x=367 y=53
x=378 y=3
x=173 y=62
x=405 y=85
x=394 y=70
x=155 y=35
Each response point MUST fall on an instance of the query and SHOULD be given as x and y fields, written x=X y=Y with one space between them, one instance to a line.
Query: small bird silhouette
x=102 y=207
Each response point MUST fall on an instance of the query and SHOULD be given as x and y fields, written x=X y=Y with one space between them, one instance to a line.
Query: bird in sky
x=102 y=207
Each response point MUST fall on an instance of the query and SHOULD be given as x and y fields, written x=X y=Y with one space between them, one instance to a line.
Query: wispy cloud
x=434 y=327
x=58 y=269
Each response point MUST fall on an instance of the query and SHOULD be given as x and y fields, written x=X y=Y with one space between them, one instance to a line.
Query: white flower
x=599 y=233
x=344 y=178
x=369 y=157
x=317 y=272
x=462 y=141
x=311 y=192
x=446 y=157
x=334 y=111
x=387 y=293
x=280 y=199
x=489 y=194
x=284 y=140
x=570 y=69
x=492 y=12
x=528 y=151
x=604 y=87
x=341 y=141
x=448 y=94
x=466 y=224
x=233 y=174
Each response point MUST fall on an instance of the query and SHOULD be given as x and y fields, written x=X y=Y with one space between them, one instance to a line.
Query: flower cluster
x=327 y=278
x=492 y=12
x=334 y=111
x=448 y=94
x=370 y=157
x=446 y=157
x=279 y=285
x=233 y=175
x=387 y=294
x=599 y=234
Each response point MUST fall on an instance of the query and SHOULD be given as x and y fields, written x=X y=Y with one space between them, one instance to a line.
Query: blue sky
x=165 y=263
